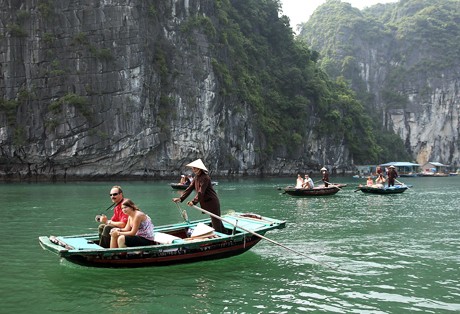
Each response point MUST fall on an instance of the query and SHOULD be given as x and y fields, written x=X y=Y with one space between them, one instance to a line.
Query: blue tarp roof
x=400 y=164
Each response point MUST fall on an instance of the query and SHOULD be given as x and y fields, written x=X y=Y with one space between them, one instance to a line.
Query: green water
x=391 y=253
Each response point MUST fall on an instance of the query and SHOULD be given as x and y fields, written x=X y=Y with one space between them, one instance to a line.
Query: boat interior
x=188 y=233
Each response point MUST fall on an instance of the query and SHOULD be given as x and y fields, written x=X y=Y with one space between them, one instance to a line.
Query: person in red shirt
x=118 y=220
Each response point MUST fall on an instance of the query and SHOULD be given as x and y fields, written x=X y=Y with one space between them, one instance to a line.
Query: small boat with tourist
x=316 y=191
x=400 y=188
x=189 y=241
x=180 y=186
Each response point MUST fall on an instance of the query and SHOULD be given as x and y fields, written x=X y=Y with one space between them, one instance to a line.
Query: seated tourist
x=138 y=230
x=308 y=183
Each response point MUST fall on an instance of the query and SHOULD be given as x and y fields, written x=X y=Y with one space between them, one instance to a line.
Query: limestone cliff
x=402 y=60
x=140 y=88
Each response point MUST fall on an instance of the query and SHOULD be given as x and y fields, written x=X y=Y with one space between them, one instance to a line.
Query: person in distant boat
x=392 y=175
x=299 y=182
x=118 y=220
x=190 y=178
x=182 y=179
x=205 y=193
x=308 y=183
x=369 y=181
x=325 y=176
x=380 y=181
x=187 y=180
x=139 y=230
x=379 y=171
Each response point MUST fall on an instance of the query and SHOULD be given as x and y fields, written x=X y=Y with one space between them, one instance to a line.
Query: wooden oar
x=113 y=204
x=98 y=217
x=402 y=183
x=262 y=237
x=333 y=185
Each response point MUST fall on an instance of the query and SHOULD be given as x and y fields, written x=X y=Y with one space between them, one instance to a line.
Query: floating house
x=433 y=168
x=404 y=169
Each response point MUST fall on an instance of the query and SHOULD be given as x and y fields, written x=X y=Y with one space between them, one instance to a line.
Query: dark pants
x=217 y=225
x=104 y=235
x=214 y=207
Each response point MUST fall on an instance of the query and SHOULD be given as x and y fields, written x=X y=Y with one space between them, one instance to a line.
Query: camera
x=98 y=218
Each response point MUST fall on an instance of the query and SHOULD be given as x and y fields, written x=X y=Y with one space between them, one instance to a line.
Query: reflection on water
x=388 y=254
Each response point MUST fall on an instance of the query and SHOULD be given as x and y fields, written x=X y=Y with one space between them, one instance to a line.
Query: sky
x=299 y=11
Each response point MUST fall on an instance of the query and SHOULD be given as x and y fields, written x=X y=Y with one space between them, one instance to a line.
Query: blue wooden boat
x=383 y=190
x=173 y=243
x=316 y=191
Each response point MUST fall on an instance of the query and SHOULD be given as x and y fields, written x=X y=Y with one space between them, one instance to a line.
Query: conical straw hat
x=324 y=168
x=197 y=164
x=201 y=229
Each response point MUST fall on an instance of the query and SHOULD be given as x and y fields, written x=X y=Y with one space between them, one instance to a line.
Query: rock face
x=403 y=56
x=122 y=88
x=400 y=59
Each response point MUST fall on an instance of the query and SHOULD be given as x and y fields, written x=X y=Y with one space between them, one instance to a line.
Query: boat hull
x=83 y=249
x=178 y=186
x=317 y=191
x=386 y=190
x=142 y=257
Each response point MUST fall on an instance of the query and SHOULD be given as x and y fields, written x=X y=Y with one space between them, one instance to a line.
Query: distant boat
x=383 y=190
x=316 y=191
x=410 y=174
x=179 y=186
x=357 y=176
x=433 y=174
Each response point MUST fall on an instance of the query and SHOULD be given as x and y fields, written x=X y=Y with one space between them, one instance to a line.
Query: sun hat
x=182 y=175
x=391 y=166
x=201 y=230
x=197 y=164
x=324 y=168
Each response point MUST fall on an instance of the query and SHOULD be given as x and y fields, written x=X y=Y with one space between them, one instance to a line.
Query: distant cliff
x=402 y=61
x=140 y=88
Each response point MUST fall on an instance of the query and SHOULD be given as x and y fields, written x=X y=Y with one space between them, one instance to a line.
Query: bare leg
x=114 y=241
x=121 y=241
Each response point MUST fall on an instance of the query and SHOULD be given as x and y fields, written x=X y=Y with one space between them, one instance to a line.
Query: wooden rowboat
x=179 y=186
x=383 y=190
x=339 y=185
x=172 y=243
x=316 y=191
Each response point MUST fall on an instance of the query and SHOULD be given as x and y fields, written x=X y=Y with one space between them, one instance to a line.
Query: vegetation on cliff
x=382 y=50
x=279 y=77
x=64 y=80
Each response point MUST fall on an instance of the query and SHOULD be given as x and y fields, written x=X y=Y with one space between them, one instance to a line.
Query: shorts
x=137 y=241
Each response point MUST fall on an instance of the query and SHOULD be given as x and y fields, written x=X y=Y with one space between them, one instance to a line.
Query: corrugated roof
x=400 y=164
x=436 y=164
